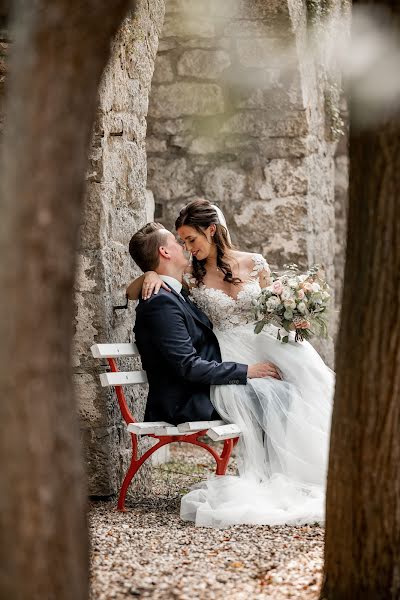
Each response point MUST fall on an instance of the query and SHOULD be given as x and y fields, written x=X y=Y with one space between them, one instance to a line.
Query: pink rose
x=300 y=294
x=277 y=287
x=307 y=286
x=302 y=324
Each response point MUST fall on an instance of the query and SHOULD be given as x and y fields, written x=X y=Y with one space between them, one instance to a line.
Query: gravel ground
x=148 y=552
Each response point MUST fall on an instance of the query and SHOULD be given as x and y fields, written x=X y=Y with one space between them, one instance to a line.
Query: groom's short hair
x=144 y=246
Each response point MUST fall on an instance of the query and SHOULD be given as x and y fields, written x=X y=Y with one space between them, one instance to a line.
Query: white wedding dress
x=283 y=450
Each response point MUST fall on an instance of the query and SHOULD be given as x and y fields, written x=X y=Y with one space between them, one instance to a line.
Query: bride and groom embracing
x=195 y=333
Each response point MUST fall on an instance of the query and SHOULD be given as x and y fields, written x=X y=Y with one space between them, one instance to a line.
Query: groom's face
x=176 y=251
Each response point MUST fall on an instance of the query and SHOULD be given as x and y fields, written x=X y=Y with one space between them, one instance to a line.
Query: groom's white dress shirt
x=173 y=283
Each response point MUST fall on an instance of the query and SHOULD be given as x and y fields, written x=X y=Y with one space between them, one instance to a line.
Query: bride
x=283 y=450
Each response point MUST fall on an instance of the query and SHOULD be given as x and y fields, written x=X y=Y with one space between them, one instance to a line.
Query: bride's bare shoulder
x=245 y=259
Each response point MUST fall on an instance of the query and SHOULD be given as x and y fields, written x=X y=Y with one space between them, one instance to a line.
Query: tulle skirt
x=283 y=450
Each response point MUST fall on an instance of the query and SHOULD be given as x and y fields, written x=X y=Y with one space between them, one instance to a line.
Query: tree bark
x=362 y=547
x=60 y=50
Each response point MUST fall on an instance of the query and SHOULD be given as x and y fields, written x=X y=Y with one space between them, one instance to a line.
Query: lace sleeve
x=261 y=270
x=188 y=280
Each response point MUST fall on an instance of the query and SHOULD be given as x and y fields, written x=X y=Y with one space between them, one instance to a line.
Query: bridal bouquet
x=296 y=302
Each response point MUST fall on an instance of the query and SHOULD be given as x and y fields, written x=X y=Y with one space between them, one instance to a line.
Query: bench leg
x=133 y=469
x=221 y=459
x=222 y=462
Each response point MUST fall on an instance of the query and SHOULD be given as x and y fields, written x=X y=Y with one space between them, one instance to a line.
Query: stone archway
x=116 y=205
x=257 y=140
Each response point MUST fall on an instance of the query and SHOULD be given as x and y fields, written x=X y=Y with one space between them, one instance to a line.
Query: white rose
x=291 y=303
x=272 y=303
x=301 y=307
x=285 y=295
x=293 y=283
x=315 y=287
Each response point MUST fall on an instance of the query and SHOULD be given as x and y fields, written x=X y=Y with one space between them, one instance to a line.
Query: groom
x=179 y=350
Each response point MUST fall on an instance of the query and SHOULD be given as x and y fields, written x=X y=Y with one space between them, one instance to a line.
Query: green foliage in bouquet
x=294 y=301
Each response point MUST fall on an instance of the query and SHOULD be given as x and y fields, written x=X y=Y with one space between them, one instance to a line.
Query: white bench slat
x=198 y=425
x=167 y=430
x=224 y=432
x=114 y=350
x=147 y=427
x=156 y=427
x=123 y=378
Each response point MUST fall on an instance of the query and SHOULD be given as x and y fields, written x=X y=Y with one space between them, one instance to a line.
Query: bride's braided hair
x=200 y=214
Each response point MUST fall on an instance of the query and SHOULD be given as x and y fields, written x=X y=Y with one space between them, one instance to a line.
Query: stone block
x=179 y=26
x=136 y=101
x=184 y=98
x=150 y=206
x=268 y=148
x=163 y=72
x=166 y=45
x=274 y=96
x=204 y=145
x=92 y=399
x=284 y=177
x=142 y=69
x=87 y=315
x=170 y=126
x=281 y=224
x=135 y=127
x=230 y=9
x=123 y=223
x=341 y=176
x=186 y=8
x=170 y=178
x=259 y=124
x=180 y=141
x=224 y=184
x=154 y=144
x=203 y=64
x=94 y=216
x=259 y=9
x=266 y=53
x=255 y=28
x=206 y=43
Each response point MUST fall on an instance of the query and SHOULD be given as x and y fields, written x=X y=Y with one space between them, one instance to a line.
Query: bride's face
x=199 y=244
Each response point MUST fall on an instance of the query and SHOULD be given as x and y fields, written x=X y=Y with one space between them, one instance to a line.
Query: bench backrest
x=118 y=378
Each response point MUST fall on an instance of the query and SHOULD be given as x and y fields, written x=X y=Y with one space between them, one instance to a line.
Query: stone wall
x=341 y=205
x=117 y=203
x=237 y=115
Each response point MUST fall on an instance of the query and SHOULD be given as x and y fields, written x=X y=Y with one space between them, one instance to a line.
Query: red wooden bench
x=163 y=432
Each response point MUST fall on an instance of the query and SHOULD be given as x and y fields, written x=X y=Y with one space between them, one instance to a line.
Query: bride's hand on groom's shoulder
x=265 y=369
x=151 y=284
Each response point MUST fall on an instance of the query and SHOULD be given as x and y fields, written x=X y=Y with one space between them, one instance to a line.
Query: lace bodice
x=226 y=312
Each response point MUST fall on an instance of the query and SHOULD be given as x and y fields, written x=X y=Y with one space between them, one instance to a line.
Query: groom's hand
x=266 y=369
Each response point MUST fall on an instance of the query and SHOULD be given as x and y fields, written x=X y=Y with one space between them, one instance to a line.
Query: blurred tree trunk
x=60 y=50
x=362 y=547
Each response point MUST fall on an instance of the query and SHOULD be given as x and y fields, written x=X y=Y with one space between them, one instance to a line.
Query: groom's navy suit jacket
x=182 y=358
